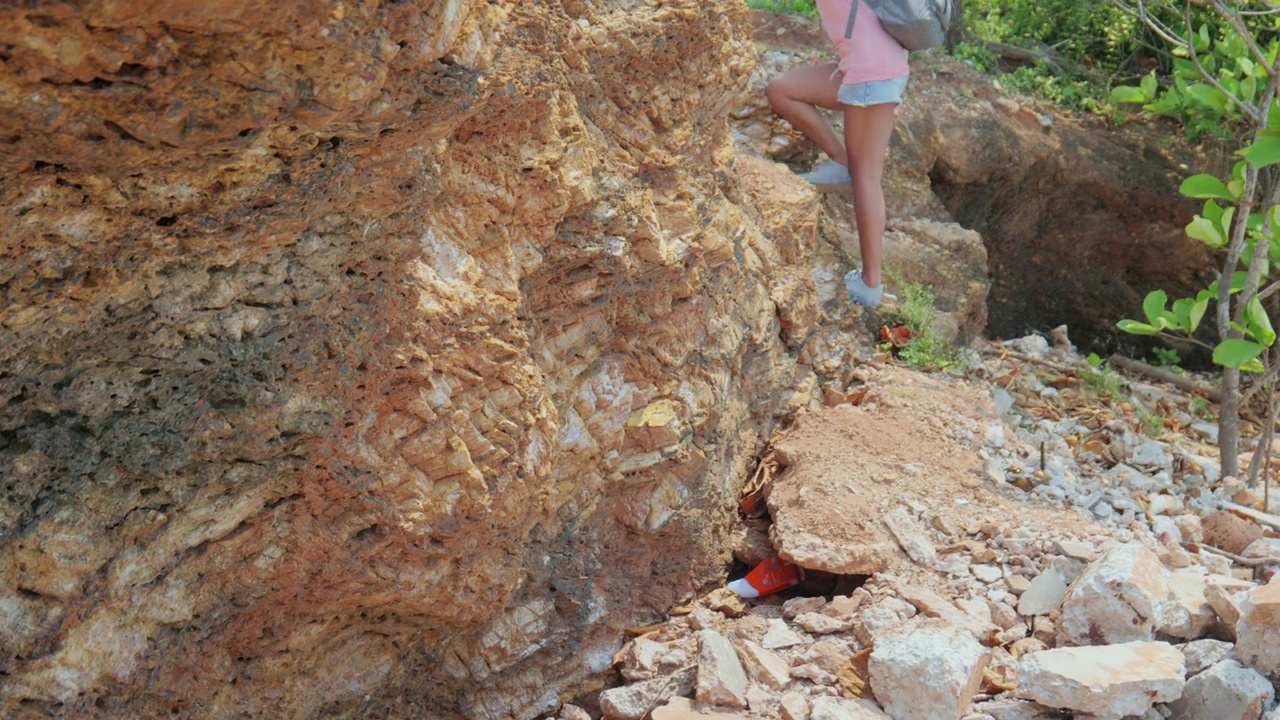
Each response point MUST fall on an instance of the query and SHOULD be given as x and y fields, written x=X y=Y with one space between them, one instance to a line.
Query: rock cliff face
x=375 y=359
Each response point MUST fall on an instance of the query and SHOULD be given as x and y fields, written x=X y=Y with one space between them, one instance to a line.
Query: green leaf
x=1153 y=307
x=1206 y=231
x=1094 y=360
x=1128 y=94
x=1248 y=89
x=1197 y=313
x=1253 y=366
x=1213 y=211
x=1224 y=222
x=1136 y=328
x=1209 y=96
x=1205 y=186
x=1265 y=150
x=1259 y=325
x=1238 y=280
x=1236 y=352
x=1149 y=86
x=1182 y=312
x=1201 y=41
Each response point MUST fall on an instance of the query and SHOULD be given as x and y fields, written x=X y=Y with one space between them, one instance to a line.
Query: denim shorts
x=879 y=92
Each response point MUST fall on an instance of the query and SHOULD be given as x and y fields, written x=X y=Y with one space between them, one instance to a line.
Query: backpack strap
x=853 y=15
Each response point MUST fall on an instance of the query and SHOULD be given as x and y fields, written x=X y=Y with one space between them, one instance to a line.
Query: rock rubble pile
x=1020 y=555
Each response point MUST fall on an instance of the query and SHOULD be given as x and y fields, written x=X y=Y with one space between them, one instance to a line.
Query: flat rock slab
x=1108 y=681
x=845 y=470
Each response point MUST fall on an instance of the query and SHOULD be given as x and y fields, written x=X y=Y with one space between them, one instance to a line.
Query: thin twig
x=1178 y=381
x=1237 y=559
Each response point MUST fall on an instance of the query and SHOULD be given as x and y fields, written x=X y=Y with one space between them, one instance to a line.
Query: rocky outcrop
x=378 y=359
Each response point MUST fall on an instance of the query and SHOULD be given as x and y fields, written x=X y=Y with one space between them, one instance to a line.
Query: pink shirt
x=871 y=54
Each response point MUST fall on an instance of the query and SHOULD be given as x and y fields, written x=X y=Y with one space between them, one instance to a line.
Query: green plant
x=1202 y=408
x=928 y=349
x=977 y=55
x=807 y=8
x=1241 y=215
x=1152 y=423
x=1165 y=357
x=1102 y=380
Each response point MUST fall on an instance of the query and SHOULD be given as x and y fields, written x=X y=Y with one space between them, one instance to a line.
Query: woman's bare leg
x=866 y=134
x=794 y=95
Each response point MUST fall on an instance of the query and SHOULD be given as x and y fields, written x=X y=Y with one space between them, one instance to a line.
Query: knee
x=776 y=92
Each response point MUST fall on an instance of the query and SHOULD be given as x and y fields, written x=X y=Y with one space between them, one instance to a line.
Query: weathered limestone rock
x=934 y=605
x=721 y=679
x=794 y=706
x=1044 y=595
x=1007 y=708
x=1225 y=596
x=634 y=701
x=838 y=708
x=911 y=536
x=680 y=708
x=1189 y=615
x=822 y=624
x=573 y=712
x=951 y=260
x=1258 y=630
x=1200 y=655
x=1108 y=681
x=1121 y=597
x=779 y=636
x=1226 y=691
x=926 y=670
x=765 y=666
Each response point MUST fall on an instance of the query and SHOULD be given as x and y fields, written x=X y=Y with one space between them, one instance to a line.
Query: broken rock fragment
x=1112 y=681
x=1189 y=614
x=1226 y=691
x=911 y=536
x=1258 y=630
x=633 y=702
x=679 y=708
x=1044 y=595
x=721 y=679
x=765 y=666
x=1203 y=654
x=1121 y=597
x=926 y=670
x=934 y=605
x=838 y=708
x=779 y=636
x=1225 y=596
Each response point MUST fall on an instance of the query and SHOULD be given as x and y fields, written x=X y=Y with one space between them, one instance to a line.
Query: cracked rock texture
x=374 y=359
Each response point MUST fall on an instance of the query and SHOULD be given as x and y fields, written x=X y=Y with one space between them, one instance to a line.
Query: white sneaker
x=828 y=172
x=858 y=291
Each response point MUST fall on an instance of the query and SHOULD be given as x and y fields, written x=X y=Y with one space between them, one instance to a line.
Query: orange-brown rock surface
x=389 y=359
x=378 y=359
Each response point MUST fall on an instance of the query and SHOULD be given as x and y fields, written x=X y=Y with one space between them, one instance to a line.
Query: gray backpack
x=915 y=24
